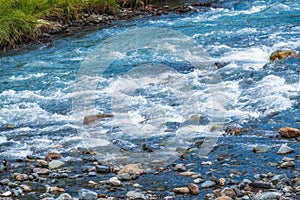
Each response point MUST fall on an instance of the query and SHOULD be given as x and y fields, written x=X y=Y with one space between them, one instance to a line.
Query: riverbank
x=35 y=22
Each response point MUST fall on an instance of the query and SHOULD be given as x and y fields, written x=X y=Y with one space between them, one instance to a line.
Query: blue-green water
x=37 y=86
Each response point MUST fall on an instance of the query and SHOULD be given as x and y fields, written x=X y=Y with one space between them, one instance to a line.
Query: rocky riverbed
x=80 y=175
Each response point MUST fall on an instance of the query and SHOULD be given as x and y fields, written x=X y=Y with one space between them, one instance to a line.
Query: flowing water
x=166 y=79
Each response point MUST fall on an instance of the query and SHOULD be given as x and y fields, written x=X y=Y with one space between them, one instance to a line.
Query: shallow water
x=168 y=82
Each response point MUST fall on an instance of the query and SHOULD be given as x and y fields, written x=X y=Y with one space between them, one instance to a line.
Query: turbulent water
x=172 y=78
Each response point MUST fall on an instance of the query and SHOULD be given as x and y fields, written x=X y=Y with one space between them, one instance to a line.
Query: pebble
x=265 y=196
x=64 y=196
x=102 y=169
x=25 y=188
x=180 y=168
x=222 y=181
x=287 y=164
x=135 y=195
x=194 y=189
x=198 y=180
x=136 y=185
x=21 y=177
x=261 y=149
x=55 y=164
x=229 y=192
x=124 y=177
x=42 y=163
x=4 y=181
x=181 y=190
x=187 y=173
x=206 y=163
x=284 y=149
x=208 y=184
x=132 y=169
x=223 y=198
x=85 y=194
x=41 y=171
x=7 y=194
x=115 y=181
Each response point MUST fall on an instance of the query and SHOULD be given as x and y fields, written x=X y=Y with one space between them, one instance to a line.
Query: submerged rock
x=87 y=195
x=289 y=132
x=91 y=118
x=135 y=195
x=261 y=149
x=281 y=54
x=284 y=149
x=132 y=169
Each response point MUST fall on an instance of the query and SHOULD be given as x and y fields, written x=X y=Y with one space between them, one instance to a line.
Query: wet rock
x=229 y=192
x=87 y=195
x=261 y=149
x=198 y=180
x=42 y=163
x=102 y=169
x=289 y=132
x=217 y=192
x=91 y=118
x=223 y=198
x=21 y=177
x=25 y=188
x=287 y=164
x=132 y=169
x=180 y=168
x=41 y=171
x=280 y=54
x=124 y=177
x=55 y=164
x=206 y=163
x=266 y=196
x=260 y=185
x=187 y=173
x=53 y=156
x=55 y=189
x=222 y=181
x=4 y=181
x=64 y=196
x=208 y=184
x=181 y=190
x=284 y=149
x=135 y=195
x=194 y=189
x=115 y=181
x=6 y=194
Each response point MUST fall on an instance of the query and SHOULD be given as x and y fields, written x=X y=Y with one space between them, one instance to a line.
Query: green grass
x=19 y=19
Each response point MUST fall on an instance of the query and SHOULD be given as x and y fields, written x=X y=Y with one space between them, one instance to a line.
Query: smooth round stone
x=55 y=164
x=87 y=195
x=208 y=184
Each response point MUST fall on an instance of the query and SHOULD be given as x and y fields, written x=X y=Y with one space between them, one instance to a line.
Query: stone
x=135 y=195
x=229 y=192
x=287 y=164
x=85 y=194
x=124 y=177
x=198 y=180
x=114 y=181
x=223 y=198
x=41 y=171
x=217 y=192
x=208 y=184
x=265 y=196
x=279 y=178
x=53 y=156
x=42 y=163
x=222 y=181
x=187 y=173
x=91 y=118
x=194 y=189
x=284 y=149
x=261 y=149
x=206 y=163
x=25 y=188
x=4 y=181
x=287 y=159
x=64 y=196
x=180 y=168
x=132 y=169
x=21 y=177
x=260 y=185
x=181 y=190
x=55 y=164
x=6 y=194
x=281 y=54
x=289 y=132
x=56 y=189
x=102 y=169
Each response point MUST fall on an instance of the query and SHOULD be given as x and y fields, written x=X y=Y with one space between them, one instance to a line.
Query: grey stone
x=124 y=177
x=266 y=196
x=42 y=163
x=208 y=184
x=284 y=149
x=180 y=168
x=64 y=196
x=102 y=169
x=279 y=178
x=4 y=181
x=87 y=195
x=135 y=195
x=55 y=164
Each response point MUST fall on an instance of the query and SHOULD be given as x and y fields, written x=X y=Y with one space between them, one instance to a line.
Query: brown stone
x=280 y=54
x=91 y=118
x=132 y=169
x=229 y=192
x=289 y=132
x=217 y=192
x=223 y=198
x=181 y=190
x=194 y=189
x=53 y=156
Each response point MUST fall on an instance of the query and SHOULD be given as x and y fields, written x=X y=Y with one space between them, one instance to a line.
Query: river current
x=166 y=80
